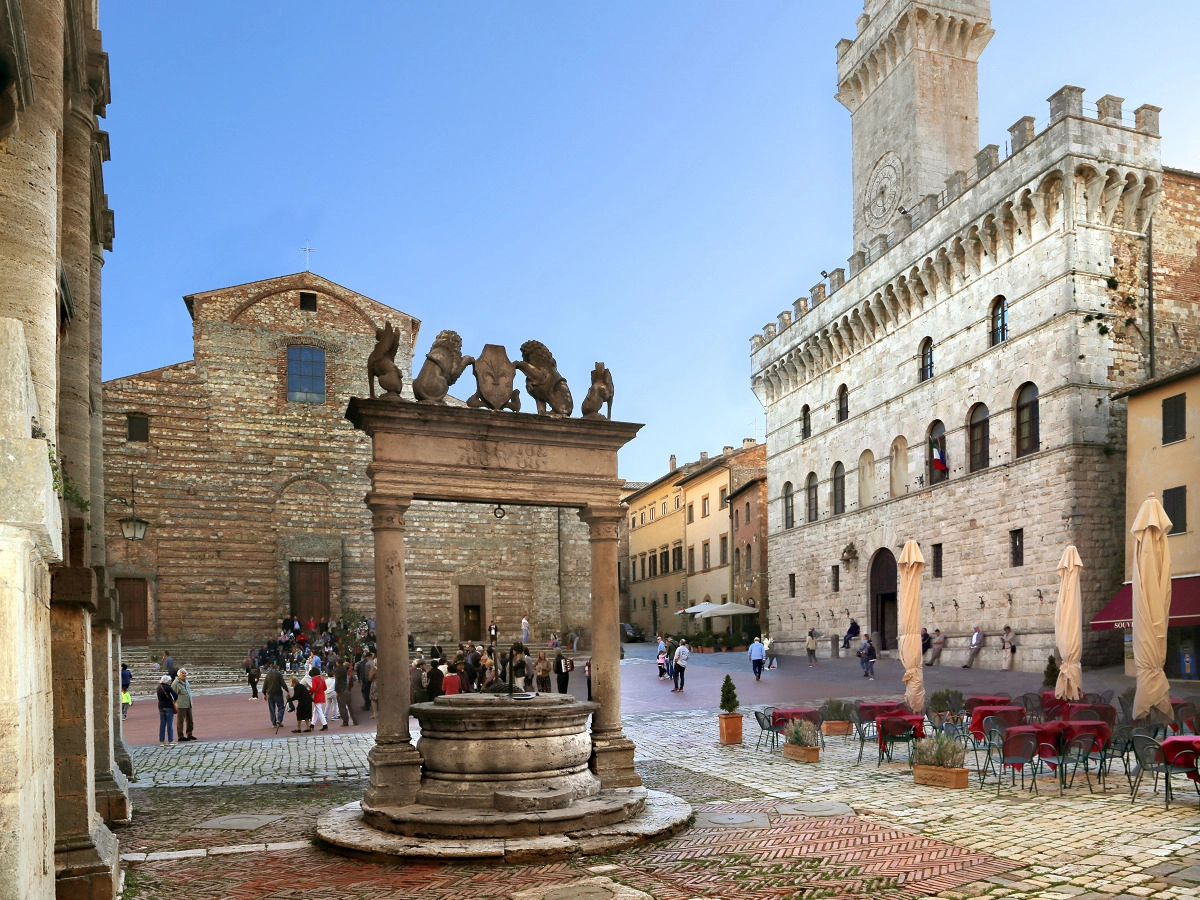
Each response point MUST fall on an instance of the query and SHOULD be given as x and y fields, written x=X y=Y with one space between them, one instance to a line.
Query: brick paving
x=905 y=842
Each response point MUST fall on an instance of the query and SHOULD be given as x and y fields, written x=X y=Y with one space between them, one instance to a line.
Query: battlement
x=1022 y=177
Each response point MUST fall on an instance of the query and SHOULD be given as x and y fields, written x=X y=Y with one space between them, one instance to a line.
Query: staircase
x=209 y=664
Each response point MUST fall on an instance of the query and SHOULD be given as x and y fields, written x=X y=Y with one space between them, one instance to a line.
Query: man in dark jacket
x=274 y=692
x=343 y=680
x=435 y=680
x=362 y=671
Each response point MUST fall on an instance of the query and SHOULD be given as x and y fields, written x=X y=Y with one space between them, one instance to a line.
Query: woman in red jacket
x=318 y=699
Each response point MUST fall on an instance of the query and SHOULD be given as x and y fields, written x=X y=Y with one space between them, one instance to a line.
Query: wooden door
x=133 y=596
x=470 y=611
x=310 y=591
x=883 y=599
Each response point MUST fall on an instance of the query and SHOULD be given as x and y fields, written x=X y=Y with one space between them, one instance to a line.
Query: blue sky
x=645 y=184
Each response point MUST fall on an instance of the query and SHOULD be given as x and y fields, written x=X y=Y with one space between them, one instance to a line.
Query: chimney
x=703 y=455
x=747 y=443
x=673 y=465
x=727 y=449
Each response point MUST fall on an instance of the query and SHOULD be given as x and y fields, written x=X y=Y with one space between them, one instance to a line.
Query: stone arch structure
x=883 y=593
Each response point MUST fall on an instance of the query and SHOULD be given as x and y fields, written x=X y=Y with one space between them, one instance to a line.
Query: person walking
x=126 y=702
x=541 y=669
x=976 y=646
x=343 y=680
x=418 y=683
x=363 y=671
x=758 y=655
x=166 y=711
x=253 y=673
x=671 y=648
x=562 y=672
x=525 y=630
x=871 y=656
x=810 y=647
x=273 y=692
x=493 y=632
x=936 y=645
x=862 y=654
x=318 y=699
x=1008 y=643
x=587 y=673
x=372 y=672
x=681 y=661
x=304 y=706
x=183 y=706
x=126 y=677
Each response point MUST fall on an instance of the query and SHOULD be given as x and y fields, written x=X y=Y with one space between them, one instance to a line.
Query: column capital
x=602 y=521
x=387 y=512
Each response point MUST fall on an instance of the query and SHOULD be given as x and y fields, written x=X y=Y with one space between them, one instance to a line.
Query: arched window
x=789 y=506
x=898 y=466
x=866 y=479
x=977 y=429
x=839 y=489
x=810 y=489
x=925 y=371
x=737 y=559
x=749 y=558
x=998 y=322
x=1028 y=439
x=843 y=403
x=937 y=467
x=805 y=423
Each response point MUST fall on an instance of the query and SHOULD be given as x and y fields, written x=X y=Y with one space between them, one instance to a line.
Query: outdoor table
x=784 y=714
x=1174 y=746
x=1012 y=715
x=916 y=720
x=1058 y=733
x=881 y=708
x=985 y=700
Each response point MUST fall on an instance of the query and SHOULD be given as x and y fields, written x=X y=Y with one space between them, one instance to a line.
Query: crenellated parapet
x=1082 y=170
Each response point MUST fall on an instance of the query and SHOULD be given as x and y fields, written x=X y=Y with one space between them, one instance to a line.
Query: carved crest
x=494 y=376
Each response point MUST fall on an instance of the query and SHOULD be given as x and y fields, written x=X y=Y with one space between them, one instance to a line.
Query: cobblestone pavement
x=755 y=837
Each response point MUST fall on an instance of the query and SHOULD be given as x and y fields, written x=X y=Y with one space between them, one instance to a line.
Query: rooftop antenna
x=306 y=250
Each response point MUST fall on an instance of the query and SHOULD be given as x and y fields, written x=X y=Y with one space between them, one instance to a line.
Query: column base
x=123 y=758
x=395 y=775
x=87 y=866
x=112 y=799
x=612 y=761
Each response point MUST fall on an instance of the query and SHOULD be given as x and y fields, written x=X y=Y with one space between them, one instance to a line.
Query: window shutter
x=1174 y=502
x=1174 y=416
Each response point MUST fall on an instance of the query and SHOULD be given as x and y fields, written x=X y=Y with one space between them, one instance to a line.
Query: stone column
x=112 y=790
x=85 y=851
x=612 y=752
x=395 y=763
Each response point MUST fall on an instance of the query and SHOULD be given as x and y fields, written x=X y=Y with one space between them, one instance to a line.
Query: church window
x=308 y=301
x=137 y=429
x=1028 y=438
x=925 y=371
x=979 y=438
x=998 y=322
x=306 y=374
x=810 y=489
x=805 y=423
x=789 y=506
x=938 y=467
x=839 y=489
x=843 y=403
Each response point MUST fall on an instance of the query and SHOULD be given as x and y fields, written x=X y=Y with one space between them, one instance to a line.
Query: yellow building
x=655 y=558
x=1163 y=458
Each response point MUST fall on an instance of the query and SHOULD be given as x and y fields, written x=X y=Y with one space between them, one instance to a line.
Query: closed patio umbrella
x=1151 y=608
x=1068 y=626
x=911 y=565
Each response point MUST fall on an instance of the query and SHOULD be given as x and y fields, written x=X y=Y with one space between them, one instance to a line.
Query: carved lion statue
x=381 y=364
x=600 y=393
x=443 y=365
x=542 y=380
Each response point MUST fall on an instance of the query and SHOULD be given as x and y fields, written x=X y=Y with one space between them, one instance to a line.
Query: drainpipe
x=1150 y=287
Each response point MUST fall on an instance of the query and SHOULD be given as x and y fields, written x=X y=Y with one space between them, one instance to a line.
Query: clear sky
x=643 y=183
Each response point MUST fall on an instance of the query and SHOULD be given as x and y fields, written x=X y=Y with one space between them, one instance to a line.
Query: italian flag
x=938 y=462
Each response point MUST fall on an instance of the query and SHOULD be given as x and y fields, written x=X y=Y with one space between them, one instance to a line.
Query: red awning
x=1185 y=605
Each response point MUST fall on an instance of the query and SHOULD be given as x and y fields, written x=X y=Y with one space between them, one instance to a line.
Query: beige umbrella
x=911 y=564
x=1068 y=626
x=1151 y=608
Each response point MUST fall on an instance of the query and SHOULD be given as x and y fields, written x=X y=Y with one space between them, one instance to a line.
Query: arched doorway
x=883 y=598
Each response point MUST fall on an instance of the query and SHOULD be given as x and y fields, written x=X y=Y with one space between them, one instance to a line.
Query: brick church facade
x=253 y=484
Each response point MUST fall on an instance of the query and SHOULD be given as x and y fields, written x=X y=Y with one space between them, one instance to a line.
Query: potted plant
x=803 y=742
x=942 y=705
x=938 y=761
x=1050 y=673
x=837 y=717
x=730 y=720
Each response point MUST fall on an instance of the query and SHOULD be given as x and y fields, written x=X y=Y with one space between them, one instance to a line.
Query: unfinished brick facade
x=240 y=484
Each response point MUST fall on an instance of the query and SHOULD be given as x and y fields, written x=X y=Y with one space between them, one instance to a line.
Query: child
x=662 y=664
x=126 y=702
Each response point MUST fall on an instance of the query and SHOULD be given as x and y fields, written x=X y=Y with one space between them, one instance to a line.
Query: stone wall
x=238 y=483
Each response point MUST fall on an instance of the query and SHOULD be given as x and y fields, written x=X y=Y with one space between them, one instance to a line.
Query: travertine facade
x=241 y=484
x=993 y=319
x=58 y=623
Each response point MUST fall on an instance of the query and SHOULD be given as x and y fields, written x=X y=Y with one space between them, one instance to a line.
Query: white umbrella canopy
x=1068 y=626
x=698 y=608
x=1151 y=608
x=911 y=565
x=727 y=609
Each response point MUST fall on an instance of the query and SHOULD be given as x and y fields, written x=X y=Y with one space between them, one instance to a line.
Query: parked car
x=632 y=633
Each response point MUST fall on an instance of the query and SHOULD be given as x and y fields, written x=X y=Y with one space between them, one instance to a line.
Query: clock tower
x=910 y=81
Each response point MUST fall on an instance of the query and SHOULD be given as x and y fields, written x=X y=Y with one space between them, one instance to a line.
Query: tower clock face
x=883 y=190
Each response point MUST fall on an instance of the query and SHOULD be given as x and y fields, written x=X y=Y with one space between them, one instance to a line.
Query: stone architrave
x=432 y=452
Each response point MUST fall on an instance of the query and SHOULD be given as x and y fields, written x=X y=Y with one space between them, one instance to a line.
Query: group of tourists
x=474 y=668
x=174 y=705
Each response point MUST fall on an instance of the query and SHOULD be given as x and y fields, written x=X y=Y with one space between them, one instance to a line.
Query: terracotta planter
x=939 y=777
x=835 y=727
x=801 y=754
x=731 y=727
x=740 y=649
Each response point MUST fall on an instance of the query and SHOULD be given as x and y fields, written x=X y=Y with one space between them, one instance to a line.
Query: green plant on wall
x=63 y=485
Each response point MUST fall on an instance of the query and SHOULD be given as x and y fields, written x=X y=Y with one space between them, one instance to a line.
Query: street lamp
x=133 y=527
